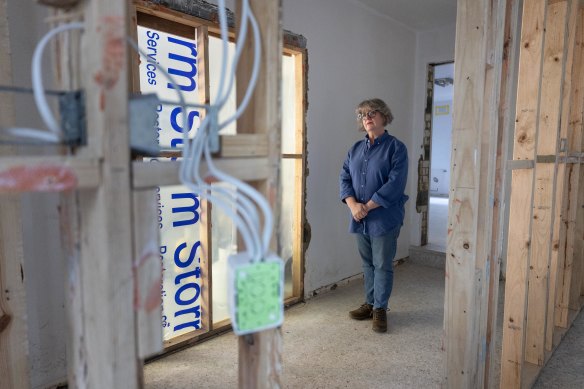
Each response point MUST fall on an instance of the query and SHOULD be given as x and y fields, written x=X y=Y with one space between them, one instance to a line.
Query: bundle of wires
x=244 y=197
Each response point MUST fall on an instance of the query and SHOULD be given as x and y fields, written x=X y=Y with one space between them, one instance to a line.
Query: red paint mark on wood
x=153 y=298
x=114 y=52
x=37 y=179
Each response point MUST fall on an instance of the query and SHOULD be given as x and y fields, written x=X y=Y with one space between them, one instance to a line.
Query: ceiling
x=419 y=15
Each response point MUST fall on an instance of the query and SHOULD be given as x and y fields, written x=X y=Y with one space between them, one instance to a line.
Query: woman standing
x=372 y=184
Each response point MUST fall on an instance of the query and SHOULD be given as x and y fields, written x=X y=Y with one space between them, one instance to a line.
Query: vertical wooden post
x=478 y=58
x=206 y=206
x=14 y=365
x=532 y=32
x=572 y=187
x=511 y=26
x=260 y=353
x=105 y=347
x=550 y=109
x=571 y=90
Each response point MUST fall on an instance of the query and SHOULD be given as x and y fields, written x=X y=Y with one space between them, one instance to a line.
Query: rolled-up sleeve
x=393 y=189
x=345 y=180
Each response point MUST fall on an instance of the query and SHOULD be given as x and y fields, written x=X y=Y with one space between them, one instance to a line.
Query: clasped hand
x=359 y=211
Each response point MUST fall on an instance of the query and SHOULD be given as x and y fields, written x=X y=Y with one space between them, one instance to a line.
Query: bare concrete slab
x=324 y=348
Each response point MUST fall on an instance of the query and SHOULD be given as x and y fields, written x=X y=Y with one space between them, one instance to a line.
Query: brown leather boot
x=365 y=311
x=379 y=320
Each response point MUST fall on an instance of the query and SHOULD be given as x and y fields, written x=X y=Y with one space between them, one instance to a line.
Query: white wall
x=431 y=47
x=353 y=54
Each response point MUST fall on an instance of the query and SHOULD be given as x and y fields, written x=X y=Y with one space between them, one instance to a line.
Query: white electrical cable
x=37 y=77
x=204 y=190
x=244 y=197
x=33 y=133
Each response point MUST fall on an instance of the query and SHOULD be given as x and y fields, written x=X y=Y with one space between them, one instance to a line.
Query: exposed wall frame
x=545 y=254
x=478 y=59
x=177 y=18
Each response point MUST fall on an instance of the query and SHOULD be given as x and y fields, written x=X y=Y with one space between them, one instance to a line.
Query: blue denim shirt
x=377 y=172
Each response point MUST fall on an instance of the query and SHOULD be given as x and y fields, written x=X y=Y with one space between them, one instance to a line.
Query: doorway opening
x=434 y=163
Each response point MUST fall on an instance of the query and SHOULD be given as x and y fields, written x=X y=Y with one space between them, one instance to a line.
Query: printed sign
x=178 y=207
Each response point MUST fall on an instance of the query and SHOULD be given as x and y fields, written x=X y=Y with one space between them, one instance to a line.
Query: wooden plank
x=511 y=34
x=206 y=227
x=14 y=363
x=530 y=55
x=152 y=174
x=468 y=265
x=516 y=283
x=570 y=89
x=48 y=174
x=545 y=179
x=527 y=105
x=105 y=348
x=571 y=188
x=299 y=245
x=260 y=360
x=147 y=269
x=243 y=145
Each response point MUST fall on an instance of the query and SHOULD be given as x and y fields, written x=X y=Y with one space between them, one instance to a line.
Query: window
x=196 y=239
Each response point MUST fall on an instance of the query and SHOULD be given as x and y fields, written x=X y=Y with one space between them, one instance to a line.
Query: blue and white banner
x=178 y=208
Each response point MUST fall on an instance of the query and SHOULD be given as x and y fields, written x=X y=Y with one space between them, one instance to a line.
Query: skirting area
x=323 y=348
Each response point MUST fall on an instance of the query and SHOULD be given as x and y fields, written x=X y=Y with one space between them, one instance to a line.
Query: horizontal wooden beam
x=243 y=145
x=152 y=174
x=48 y=174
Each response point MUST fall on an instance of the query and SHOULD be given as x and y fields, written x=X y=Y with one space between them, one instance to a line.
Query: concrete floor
x=323 y=348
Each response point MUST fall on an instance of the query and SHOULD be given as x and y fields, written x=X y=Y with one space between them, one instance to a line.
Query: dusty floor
x=323 y=348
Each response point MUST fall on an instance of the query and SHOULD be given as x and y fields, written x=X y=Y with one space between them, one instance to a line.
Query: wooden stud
x=147 y=269
x=14 y=363
x=570 y=210
x=206 y=207
x=149 y=174
x=475 y=129
x=299 y=245
x=48 y=174
x=243 y=145
x=105 y=350
x=528 y=89
x=511 y=28
x=545 y=177
x=570 y=92
x=260 y=353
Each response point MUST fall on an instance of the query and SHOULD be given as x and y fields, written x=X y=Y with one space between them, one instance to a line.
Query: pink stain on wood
x=153 y=298
x=37 y=179
x=114 y=52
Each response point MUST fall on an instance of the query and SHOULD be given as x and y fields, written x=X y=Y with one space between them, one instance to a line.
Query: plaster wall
x=434 y=46
x=353 y=54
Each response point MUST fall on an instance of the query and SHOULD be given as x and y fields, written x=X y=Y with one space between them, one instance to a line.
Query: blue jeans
x=377 y=253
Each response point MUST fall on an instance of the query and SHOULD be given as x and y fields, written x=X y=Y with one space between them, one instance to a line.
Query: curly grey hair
x=374 y=105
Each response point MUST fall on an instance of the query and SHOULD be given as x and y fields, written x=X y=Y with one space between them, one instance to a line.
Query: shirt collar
x=380 y=139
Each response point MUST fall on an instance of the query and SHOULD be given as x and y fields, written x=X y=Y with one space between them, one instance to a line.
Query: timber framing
x=543 y=289
x=108 y=218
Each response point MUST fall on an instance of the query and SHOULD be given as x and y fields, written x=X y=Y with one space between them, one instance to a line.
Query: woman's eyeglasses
x=370 y=114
